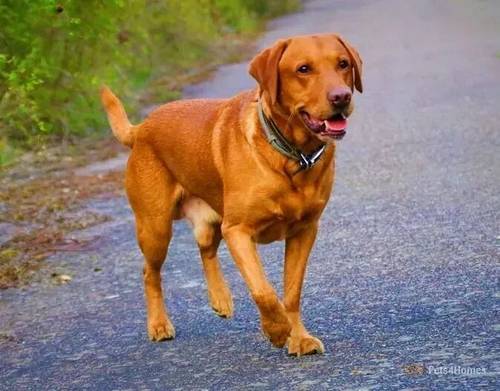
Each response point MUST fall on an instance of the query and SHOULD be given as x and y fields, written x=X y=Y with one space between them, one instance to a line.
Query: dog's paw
x=222 y=303
x=161 y=330
x=302 y=345
x=277 y=332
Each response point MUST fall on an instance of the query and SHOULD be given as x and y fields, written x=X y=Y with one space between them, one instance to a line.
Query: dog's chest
x=289 y=211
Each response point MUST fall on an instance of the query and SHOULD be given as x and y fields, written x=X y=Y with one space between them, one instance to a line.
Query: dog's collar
x=282 y=145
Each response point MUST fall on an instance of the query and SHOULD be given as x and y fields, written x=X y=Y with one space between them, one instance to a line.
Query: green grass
x=8 y=153
x=55 y=55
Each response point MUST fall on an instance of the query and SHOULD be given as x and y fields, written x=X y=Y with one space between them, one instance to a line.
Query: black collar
x=282 y=145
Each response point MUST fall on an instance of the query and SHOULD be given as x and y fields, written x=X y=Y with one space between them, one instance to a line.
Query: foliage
x=54 y=55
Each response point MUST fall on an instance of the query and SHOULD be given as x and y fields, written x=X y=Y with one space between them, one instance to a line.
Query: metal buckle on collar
x=306 y=162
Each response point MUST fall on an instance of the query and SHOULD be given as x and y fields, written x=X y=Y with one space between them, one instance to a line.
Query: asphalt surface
x=403 y=279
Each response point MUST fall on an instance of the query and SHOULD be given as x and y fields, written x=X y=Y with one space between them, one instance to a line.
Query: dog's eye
x=304 y=69
x=343 y=64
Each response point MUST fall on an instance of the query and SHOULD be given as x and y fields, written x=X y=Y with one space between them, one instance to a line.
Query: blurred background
x=54 y=55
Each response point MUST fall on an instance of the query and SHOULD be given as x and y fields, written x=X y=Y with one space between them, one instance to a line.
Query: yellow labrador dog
x=255 y=168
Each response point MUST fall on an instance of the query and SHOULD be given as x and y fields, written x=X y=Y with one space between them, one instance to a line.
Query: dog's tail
x=117 y=117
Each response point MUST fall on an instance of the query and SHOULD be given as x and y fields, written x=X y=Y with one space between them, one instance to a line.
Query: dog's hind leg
x=153 y=195
x=206 y=229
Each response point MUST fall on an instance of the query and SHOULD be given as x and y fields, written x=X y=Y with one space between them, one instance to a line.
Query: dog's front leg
x=274 y=320
x=297 y=249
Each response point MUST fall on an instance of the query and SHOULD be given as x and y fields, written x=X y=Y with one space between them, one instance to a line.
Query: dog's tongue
x=336 y=125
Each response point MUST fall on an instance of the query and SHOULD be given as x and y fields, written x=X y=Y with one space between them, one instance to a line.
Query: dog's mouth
x=334 y=126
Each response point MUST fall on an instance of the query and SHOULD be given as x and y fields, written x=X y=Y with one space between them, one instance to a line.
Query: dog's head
x=311 y=78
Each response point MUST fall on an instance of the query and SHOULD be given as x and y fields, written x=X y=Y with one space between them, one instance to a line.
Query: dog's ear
x=356 y=59
x=264 y=68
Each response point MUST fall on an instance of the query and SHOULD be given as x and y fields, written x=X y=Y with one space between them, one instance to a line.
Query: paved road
x=405 y=270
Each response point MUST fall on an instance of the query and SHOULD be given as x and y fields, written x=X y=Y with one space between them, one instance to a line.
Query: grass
x=55 y=56
x=8 y=153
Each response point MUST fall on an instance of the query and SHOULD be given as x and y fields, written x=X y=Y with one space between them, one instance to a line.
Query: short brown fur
x=209 y=161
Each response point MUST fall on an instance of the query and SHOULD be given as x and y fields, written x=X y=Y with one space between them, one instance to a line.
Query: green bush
x=54 y=55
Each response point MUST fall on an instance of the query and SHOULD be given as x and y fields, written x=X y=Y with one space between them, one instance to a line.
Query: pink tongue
x=336 y=125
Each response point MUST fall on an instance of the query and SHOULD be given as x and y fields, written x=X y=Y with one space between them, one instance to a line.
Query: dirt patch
x=42 y=202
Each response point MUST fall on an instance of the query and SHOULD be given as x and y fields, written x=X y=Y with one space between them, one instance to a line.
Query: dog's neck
x=292 y=127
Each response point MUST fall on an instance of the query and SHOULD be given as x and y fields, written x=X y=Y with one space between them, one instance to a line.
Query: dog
x=254 y=168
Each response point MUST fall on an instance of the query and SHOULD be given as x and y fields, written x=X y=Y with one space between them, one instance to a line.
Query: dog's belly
x=272 y=233
x=197 y=211
x=279 y=230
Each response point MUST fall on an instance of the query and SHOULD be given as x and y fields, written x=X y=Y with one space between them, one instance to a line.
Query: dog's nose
x=340 y=97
